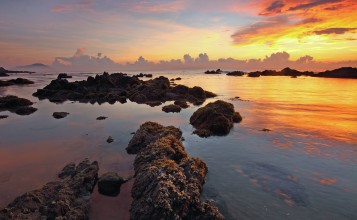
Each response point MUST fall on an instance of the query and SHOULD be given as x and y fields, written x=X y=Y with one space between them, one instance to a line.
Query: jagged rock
x=110 y=139
x=63 y=76
x=119 y=87
x=59 y=115
x=101 y=118
x=215 y=118
x=171 y=108
x=181 y=103
x=150 y=132
x=68 y=170
x=109 y=184
x=168 y=182
x=235 y=73
x=18 y=81
x=16 y=105
x=64 y=199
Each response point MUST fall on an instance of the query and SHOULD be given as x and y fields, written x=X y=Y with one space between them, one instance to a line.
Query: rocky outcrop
x=109 y=184
x=119 y=87
x=218 y=71
x=18 y=81
x=181 y=103
x=168 y=182
x=171 y=108
x=143 y=75
x=16 y=105
x=59 y=115
x=344 y=72
x=254 y=74
x=68 y=198
x=215 y=118
x=235 y=73
x=63 y=76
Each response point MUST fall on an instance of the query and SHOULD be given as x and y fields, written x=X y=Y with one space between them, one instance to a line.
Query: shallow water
x=305 y=167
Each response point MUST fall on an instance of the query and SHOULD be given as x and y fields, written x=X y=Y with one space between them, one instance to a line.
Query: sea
x=294 y=155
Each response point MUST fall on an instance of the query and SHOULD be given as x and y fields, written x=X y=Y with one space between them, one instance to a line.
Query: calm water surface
x=304 y=168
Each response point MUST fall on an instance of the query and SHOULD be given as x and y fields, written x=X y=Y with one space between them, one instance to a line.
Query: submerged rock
x=63 y=76
x=168 y=182
x=171 y=108
x=101 y=118
x=18 y=81
x=109 y=184
x=68 y=198
x=119 y=87
x=16 y=105
x=215 y=118
x=110 y=139
x=59 y=115
x=3 y=116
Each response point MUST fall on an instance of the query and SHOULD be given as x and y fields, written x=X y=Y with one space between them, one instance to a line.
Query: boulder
x=215 y=118
x=16 y=105
x=109 y=184
x=181 y=103
x=168 y=183
x=63 y=199
x=110 y=139
x=59 y=115
x=101 y=118
x=18 y=81
x=63 y=76
x=171 y=108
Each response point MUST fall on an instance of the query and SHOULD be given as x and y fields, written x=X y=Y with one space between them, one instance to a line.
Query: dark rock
x=59 y=115
x=344 y=72
x=110 y=139
x=109 y=184
x=18 y=81
x=101 y=118
x=235 y=73
x=168 y=182
x=218 y=71
x=68 y=171
x=63 y=76
x=178 y=78
x=119 y=87
x=265 y=130
x=64 y=199
x=171 y=108
x=27 y=110
x=181 y=103
x=215 y=118
x=16 y=105
x=150 y=132
x=254 y=74
x=3 y=116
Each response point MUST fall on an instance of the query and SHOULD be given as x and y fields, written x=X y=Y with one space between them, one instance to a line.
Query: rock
x=265 y=130
x=3 y=116
x=344 y=72
x=16 y=105
x=149 y=132
x=63 y=76
x=254 y=74
x=181 y=103
x=119 y=87
x=178 y=78
x=218 y=71
x=171 y=108
x=236 y=73
x=102 y=118
x=215 y=118
x=109 y=184
x=110 y=139
x=63 y=199
x=59 y=115
x=18 y=81
x=27 y=110
x=168 y=183
x=68 y=171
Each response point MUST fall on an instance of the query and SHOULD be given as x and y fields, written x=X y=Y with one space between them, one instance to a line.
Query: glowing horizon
x=39 y=31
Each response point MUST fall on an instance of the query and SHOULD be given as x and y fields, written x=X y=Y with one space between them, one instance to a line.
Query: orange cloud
x=292 y=21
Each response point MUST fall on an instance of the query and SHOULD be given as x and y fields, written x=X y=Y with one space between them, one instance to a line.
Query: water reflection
x=305 y=167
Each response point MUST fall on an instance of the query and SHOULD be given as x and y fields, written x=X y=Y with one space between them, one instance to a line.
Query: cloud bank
x=276 y=61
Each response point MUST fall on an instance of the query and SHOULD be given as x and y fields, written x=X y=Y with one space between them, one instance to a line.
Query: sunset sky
x=41 y=30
